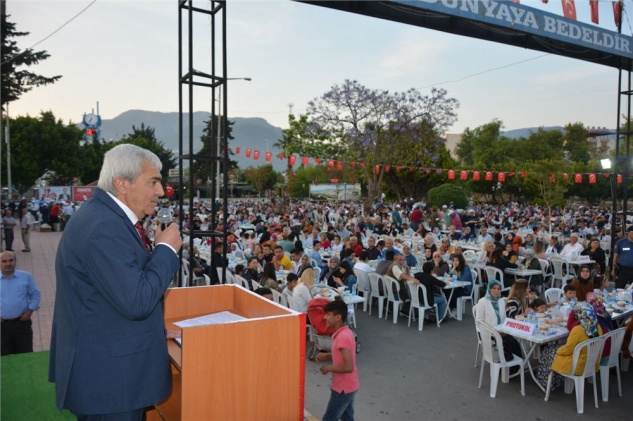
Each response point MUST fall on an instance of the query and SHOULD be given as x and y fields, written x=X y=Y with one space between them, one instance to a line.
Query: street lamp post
x=219 y=144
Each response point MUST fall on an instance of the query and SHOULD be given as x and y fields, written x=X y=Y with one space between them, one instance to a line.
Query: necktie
x=139 y=229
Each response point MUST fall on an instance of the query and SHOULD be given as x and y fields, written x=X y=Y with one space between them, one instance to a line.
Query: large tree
x=39 y=144
x=15 y=79
x=202 y=169
x=382 y=128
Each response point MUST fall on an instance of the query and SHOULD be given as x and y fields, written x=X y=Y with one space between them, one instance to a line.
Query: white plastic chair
x=553 y=295
x=478 y=335
x=561 y=272
x=592 y=347
x=495 y=273
x=547 y=275
x=492 y=346
x=617 y=337
x=469 y=255
x=241 y=281
x=420 y=306
x=374 y=282
x=185 y=275
x=461 y=301
x=362 y=286
x=278 y=297
x=393 y=297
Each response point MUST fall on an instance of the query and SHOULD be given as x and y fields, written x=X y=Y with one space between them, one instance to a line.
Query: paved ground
x=405 y=374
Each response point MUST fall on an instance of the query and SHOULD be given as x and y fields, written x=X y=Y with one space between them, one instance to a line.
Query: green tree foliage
x=299 y=186
x=546 y=181
x=15 y=79
x=261 y=178
x=383 y=128
x=576 y=142
x=445 y=194
x=43 y=143
x=203 y=170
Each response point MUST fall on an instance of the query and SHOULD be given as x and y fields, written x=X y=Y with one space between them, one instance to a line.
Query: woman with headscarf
x=560 y=357
x=489 y=312
x=346 y=277
x=583 y=283
x=604 y=318
x=304 y=263
x=332 y=270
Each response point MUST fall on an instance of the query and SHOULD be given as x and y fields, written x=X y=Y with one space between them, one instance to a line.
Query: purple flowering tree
x=381 y=128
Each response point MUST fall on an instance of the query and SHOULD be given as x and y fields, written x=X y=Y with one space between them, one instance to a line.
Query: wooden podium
x=246 y=370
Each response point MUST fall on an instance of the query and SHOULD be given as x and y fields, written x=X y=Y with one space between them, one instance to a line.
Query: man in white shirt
x=483 y=235
x=573 y=248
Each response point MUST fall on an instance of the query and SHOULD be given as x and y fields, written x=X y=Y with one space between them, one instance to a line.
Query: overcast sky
x=124 y=54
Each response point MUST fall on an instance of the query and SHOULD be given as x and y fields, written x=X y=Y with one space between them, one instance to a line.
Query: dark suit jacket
x=108 y=348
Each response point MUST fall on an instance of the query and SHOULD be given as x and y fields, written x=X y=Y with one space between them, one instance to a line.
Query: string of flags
x=452 y=174
x=569 y=9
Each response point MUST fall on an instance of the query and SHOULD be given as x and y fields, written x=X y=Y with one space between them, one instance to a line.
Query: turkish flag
x=501 y=177
x=248 y=152
x=451 y=174
x=362 y=164
x=476 y=175
x=617 y=8
x=569 y=9
x=281 y=156
x=592 y=178
x=387 y=168
x=594 y=11
x=377 y=169
x=399 y=168
x=237 y=150
x=256 y=155
x=463 y=175
x=619 y=178
x=605 y=175
x=411 y=169
x=353 y=164
x=305 y=160
x=330 y=163
x=578 y=178
x=524 y=174
x=488 y=176
x=269 y=156
x=292 y=160
x=566 y=176
x=552 y=179
x=339 y=165
x=317 y=161
x=169 y=190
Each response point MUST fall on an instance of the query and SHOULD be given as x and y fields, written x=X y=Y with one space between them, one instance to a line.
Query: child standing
x=344 y=374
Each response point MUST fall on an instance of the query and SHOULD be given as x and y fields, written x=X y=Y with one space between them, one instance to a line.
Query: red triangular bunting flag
x=616 y=12
x=569 y=9
x=594 y=11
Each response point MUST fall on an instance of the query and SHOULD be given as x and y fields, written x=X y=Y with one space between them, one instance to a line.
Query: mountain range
x=254 y=133
x=248 y=133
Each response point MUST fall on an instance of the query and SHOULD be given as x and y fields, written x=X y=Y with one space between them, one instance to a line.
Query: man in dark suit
x=108 y=356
